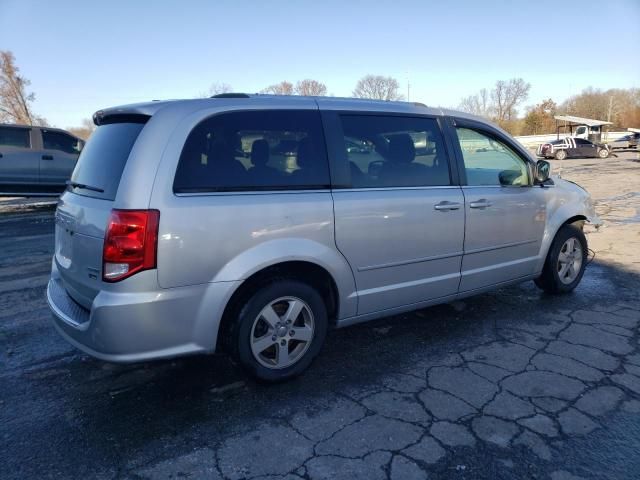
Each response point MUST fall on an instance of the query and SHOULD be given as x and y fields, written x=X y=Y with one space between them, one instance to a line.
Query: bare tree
x=378 y=87
x=506 y=97
x=478 y=104
x=500 y=104
x=15 y=102
x=282 y=88
x=219 y=87
x=216 y=88
x=85 y=130
x=309 y=87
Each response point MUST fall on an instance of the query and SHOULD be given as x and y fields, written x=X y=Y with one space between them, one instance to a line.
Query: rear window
x=14 y=137
x=254 y=150
x=103 y=159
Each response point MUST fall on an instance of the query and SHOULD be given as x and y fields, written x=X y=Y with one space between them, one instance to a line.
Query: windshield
x=103 y=159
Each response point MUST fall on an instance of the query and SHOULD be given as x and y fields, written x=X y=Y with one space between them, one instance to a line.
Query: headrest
x=401 y=148
x=306 y=154
x=260 y=152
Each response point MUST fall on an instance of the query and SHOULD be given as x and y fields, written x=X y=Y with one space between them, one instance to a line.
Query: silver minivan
x=36 y=160
x=251 y=224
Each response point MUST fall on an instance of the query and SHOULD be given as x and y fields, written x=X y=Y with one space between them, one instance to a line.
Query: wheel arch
x=552 y=231
x=302 y=270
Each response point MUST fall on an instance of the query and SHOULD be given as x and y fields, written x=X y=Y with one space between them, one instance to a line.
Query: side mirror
x=542 y=171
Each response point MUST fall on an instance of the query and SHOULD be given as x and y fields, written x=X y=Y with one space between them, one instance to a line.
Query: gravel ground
x=510 y=384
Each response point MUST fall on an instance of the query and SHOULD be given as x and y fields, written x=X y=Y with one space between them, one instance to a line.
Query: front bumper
x=133 y=327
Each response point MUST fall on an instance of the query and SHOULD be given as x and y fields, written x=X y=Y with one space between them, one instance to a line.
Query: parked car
x=574 y=148
x=36 y=160
x=166 y=245
x=627 y=141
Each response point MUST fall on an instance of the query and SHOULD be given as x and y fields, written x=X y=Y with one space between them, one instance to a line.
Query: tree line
x=501 y=103
x=376 y=87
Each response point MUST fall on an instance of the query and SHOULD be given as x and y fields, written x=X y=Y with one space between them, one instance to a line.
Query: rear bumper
x=133 y=327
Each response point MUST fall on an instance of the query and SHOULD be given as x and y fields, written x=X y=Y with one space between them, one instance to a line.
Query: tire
x=560 y=276
x=261 y=327
x=561 y=155
x=603 y=153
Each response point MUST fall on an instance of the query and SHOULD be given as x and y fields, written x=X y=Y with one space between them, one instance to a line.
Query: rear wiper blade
x=82 y=185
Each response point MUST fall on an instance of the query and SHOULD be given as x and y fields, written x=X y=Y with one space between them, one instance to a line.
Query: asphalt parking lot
x=510 y=384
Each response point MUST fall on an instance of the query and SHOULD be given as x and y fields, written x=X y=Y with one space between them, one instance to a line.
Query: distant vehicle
x=587 y=128
x=357 y=146
x=573 y=147
x=36 y=160
x=628 y=141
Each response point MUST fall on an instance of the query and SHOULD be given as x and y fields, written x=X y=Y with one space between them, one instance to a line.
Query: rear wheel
x=566 y=261
x=603 y=153
x=561 y=154
x=280 y=330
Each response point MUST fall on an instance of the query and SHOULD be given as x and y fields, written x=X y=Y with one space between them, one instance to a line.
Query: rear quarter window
x=104 y=157
x=253 y=151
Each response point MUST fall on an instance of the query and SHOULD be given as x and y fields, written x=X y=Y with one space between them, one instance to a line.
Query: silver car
x=36 y=160
x=632 y=140
x=247 y=224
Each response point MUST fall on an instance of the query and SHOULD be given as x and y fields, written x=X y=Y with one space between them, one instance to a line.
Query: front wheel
x=561 y=154
x=565 y=262
x=603 y=153
x=280 y=330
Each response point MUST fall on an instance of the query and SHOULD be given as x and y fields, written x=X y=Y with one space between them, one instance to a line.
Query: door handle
x=47 y=157
x=446 y=206
x=0 y=155
x=482 y=203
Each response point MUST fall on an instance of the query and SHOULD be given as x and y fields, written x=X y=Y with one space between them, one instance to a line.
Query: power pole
x=408 y=88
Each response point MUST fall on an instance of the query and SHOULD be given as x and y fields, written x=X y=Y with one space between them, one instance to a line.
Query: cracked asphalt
x=509 y=384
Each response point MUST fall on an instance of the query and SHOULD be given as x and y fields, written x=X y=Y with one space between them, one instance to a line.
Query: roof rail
x=231 y=95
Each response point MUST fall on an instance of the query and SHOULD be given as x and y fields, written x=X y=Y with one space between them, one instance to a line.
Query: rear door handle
x=47 y=157
x=446 y=206
x=482 y=203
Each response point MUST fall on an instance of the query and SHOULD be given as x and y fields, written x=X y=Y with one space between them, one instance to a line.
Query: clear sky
x=85 y=55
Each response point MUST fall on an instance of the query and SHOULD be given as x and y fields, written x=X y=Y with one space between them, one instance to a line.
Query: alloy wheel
x=569 y=260
x=282 y=332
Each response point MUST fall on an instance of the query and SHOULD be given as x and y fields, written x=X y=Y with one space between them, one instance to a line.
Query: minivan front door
x=399 y=221
x=505 y=214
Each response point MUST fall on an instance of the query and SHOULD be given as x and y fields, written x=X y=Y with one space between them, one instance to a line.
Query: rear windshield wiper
x=82 y=185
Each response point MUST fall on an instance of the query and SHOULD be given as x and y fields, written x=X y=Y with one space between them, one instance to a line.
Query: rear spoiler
x=105 y=118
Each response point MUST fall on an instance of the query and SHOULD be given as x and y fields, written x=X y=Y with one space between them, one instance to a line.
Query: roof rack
x=231 y=95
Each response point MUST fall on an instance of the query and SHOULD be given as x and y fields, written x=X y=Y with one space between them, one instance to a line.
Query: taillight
x=130 y=243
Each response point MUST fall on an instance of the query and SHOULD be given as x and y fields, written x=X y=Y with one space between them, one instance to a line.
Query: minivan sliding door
x=399 y=219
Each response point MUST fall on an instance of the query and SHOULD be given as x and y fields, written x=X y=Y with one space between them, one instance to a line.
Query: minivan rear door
x=399 y=217
x=84 y=208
